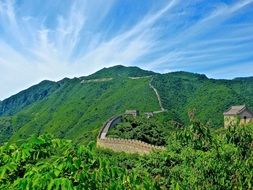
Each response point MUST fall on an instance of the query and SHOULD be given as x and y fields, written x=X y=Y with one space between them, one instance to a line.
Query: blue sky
x=45 y=39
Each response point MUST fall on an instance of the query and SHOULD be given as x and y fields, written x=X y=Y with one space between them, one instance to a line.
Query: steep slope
x=6 y=128
x=78 y=107
x=24 y=98
x=40 y=91
x=182 y=92
x=175 y=90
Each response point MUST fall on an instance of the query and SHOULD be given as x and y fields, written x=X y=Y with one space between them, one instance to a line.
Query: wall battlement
x=123 y=145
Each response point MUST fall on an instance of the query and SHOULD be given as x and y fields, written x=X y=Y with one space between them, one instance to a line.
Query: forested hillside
x=195 y=159
x=200 y=153
x=35 y=93
x=182 y=92
x=76 y=108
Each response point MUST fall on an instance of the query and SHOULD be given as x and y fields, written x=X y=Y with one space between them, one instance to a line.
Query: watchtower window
x=245 y=119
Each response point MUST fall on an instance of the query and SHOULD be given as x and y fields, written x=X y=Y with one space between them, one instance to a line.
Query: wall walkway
x=123 y=145
x=158 y=97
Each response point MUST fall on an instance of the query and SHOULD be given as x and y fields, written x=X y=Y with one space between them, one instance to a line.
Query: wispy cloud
x=55 y=39
x=213 y=29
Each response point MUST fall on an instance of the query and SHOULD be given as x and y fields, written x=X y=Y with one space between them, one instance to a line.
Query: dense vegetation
x=6 y=129
x=196 y=158
x=46 y=163
x=152 y=130
x=76 y=110
x=24 y=98
x=182 y=92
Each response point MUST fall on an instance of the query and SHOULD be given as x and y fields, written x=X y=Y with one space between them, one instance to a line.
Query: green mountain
x=121 y=71
x=182 y=92
x=76 y=108
x=24 y=98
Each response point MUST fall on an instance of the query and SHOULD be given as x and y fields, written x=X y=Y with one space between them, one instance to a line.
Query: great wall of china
x=127 y=145
x=123 y=145
x=158 y=97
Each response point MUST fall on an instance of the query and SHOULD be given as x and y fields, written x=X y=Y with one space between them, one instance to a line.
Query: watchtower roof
x=235 y=110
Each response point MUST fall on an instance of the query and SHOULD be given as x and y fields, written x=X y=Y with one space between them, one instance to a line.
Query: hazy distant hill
x=76 y=108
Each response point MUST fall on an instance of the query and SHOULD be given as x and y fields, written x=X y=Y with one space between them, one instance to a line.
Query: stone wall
x=108 y=124
x=122 y=145
x=233 y=120
x=230 y=121
x=127 y=145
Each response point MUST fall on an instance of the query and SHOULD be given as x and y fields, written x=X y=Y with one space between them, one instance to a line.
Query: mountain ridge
x=121 y=71
x=118 y=67
x=76 y=110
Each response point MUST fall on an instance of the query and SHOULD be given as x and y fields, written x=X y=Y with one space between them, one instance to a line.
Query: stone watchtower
x=235 y=113
x=134 y=113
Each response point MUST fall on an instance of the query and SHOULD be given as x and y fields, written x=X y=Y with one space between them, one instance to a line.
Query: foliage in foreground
x=46 y=163
x=196 y=158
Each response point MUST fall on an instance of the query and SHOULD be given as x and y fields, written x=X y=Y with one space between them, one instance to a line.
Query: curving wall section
x=123 y=145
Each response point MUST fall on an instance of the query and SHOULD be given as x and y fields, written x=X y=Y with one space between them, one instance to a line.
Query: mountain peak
x=121 y=71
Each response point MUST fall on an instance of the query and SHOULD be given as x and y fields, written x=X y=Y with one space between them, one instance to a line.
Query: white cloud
x=186 y=41
x=128 y=46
